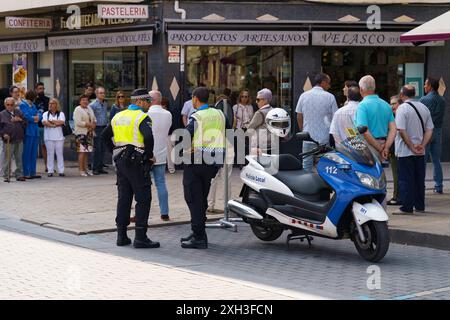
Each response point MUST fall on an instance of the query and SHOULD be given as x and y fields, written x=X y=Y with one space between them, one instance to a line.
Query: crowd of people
x=405 y=132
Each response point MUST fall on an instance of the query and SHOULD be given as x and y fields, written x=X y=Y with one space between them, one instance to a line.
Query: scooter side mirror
x=303 y=136
x=362 y=129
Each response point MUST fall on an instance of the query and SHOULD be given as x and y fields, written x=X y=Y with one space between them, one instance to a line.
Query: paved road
x=42 y=263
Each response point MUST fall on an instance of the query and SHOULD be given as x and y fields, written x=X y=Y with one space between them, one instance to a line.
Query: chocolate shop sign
x=101 y=40
x=362 y=39
x=238 y=38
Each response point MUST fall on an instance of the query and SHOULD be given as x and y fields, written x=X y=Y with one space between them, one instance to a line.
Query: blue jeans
x=411 y=181
x=308 y=162
x=434 y=148
x=159 y=176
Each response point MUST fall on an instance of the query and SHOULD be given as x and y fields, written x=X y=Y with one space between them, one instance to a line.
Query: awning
x=437 y=29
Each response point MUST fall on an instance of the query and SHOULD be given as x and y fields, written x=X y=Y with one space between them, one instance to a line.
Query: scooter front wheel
x=266 y=233
x=377 y=241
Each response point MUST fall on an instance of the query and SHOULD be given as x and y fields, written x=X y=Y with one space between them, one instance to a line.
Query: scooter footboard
x=369 y=211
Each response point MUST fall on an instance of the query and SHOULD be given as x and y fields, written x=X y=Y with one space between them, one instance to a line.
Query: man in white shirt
x=161 y=122
x=315 y=110
x=343 y=123
x=415 y=129
x=186 y=112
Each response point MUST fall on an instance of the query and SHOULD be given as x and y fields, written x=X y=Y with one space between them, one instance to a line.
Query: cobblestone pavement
x=43 y=263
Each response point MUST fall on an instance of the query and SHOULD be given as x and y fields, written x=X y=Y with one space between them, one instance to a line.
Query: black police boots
x=141 y=240
x=122 y=238
x=189 y=237
x=195 y=242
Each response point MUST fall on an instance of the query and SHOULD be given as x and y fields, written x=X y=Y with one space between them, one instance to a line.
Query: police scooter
x=341 y=201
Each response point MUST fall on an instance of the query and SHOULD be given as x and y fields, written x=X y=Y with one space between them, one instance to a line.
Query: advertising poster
x=20 y=72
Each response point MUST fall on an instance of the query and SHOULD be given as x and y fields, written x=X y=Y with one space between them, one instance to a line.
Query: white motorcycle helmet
x=278 y=122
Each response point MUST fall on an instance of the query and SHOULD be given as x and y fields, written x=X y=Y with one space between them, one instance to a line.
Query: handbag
x=66 y=130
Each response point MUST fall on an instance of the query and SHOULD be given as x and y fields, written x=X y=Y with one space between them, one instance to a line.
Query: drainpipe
x=177 y=9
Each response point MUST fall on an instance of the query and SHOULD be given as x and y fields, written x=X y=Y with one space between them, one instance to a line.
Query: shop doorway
x=239 y=68
x=389 y=66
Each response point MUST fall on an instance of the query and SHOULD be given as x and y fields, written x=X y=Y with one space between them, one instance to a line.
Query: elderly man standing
x=100 y=107
x=415 y=129
x=12 y=129
x=376 y=114
x=261 y=139
x=161 y=122
x=436 y=104
x=315 y=110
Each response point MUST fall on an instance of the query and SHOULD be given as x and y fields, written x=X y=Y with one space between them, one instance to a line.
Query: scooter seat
x=302 y=182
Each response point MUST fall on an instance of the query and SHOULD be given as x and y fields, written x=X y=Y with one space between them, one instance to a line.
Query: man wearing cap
x=133 y=155
x=207 y=129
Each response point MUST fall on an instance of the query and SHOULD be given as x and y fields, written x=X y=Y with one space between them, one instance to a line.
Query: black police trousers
x=132 y=180
x=196 y=184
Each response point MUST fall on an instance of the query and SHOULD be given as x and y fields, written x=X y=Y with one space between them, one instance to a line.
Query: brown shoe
x=133 y=219
x=21 y=179
x=165 y=217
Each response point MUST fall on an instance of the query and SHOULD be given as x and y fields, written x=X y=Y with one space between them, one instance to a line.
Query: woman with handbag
x=85 y=123
x=54 y=121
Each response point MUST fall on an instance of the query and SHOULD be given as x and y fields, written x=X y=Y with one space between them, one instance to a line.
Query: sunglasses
x=120 y=97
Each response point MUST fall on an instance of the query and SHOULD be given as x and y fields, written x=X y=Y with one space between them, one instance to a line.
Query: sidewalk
x=83 y=205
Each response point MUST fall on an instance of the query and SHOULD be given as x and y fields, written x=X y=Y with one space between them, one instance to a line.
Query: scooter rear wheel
x=377 y=241
x=266 y=233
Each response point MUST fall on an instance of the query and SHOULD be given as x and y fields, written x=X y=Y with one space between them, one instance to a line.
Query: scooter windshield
x=356 y=148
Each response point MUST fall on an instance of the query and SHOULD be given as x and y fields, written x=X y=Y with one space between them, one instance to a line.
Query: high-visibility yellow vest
x=209 y=134
x=125 y=126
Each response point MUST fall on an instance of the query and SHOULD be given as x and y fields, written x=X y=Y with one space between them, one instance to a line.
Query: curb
x=98 y=231
x=413 y=238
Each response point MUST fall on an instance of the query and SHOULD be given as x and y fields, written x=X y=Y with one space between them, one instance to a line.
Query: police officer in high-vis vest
x=133 y=155
x=207 y=128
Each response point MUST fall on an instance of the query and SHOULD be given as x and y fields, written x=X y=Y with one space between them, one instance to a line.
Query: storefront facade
x=338 y=42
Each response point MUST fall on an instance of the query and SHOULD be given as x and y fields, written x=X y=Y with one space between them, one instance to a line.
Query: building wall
x=439 y=66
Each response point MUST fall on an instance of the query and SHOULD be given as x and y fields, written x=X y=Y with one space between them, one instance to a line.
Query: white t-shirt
x=406 y=118
x=54 y=134
x=343 y=123
x=188 y=109
x=161 y=122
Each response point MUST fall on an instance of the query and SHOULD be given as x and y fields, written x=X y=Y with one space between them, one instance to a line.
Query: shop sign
x=238 y=38
x=362 y=39
x=20 y=46
x=101 y=40
x=20 y=72
x=174 y=54
x=27 y=23
x=122 y=11
x=93 y=20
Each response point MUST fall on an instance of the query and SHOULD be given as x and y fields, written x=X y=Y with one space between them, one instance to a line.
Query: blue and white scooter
x=340 y=201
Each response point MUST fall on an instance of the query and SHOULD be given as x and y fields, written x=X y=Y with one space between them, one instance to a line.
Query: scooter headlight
x=371 y=181
x=335 y=157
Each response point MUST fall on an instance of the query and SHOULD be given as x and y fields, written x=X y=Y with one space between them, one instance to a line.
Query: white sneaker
x=83 y=174
x=172 y=171
x=89 y=173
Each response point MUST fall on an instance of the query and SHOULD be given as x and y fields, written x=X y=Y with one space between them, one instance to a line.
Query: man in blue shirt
x=436 y=104
x=376 y=114
x=100 y=107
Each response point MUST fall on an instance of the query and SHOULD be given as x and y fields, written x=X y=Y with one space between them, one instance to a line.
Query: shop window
x=388 y=65
x=238 y=68
x=113 y=68
x=5 y=70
